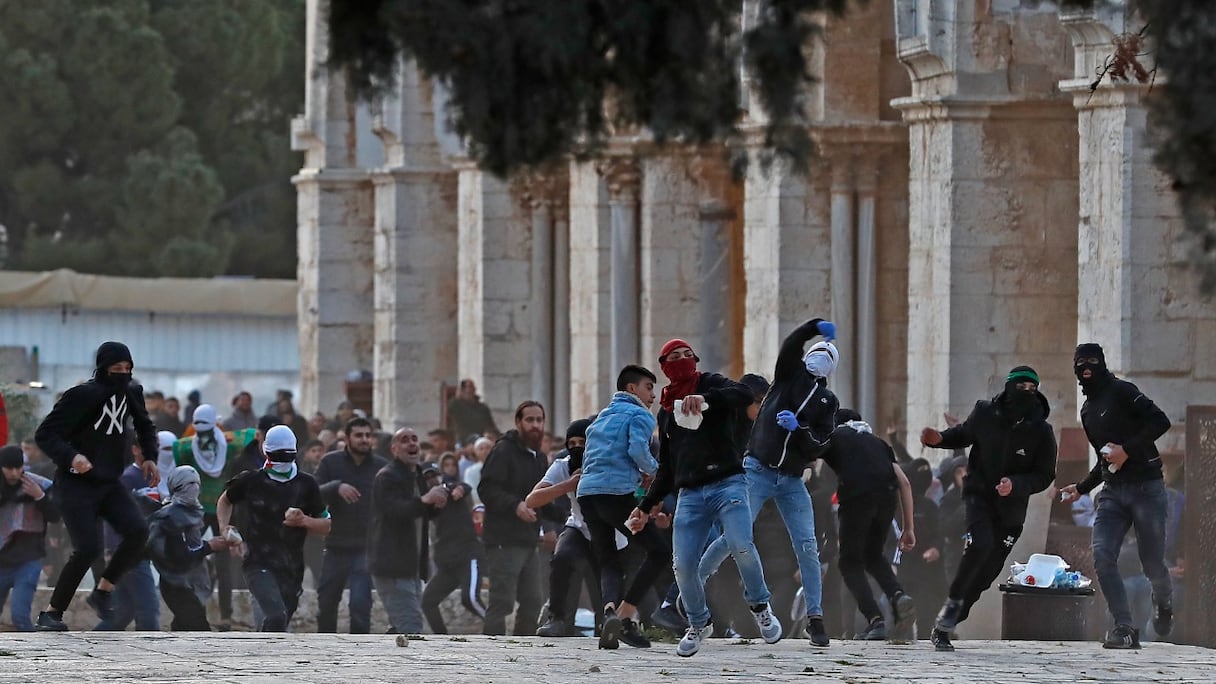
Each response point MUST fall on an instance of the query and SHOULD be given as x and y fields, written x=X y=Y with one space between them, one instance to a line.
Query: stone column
x=1132 y=263
x=990 y=281
x=623 y=176
x=866 y=337
x=591 y=378
x=844 y=281
x=1200 y=520
x=335 y=215
x=561 y=411
x=717 y=313
x=415 y=295
x=787 y=258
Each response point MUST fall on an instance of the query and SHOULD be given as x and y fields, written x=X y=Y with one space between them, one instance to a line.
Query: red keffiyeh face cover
x=682 y=374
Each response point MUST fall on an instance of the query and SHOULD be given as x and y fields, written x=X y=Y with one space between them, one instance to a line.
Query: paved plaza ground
x=149 y=658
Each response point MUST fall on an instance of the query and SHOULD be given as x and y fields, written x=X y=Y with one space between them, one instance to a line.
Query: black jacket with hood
x=1001 y=446
x=398 y=524
x=1116 y=411
x=90 y=420
x=796 y=390
x=713 y=452
x=508 y=476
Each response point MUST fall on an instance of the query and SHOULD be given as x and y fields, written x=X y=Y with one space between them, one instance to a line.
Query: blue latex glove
x=787 y=420
x=827 y=329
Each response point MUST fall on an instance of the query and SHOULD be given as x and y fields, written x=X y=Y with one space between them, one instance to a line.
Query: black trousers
x=865 y=525
x=82 y=503
x=605 y=514
x=452 y=574
x=989 y=541
x=573 y=559
x=189 y=615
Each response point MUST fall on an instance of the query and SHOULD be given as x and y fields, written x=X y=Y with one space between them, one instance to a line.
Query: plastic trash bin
x=1037 y=614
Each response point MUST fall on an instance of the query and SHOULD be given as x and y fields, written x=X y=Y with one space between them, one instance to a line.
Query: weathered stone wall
x=592 y=381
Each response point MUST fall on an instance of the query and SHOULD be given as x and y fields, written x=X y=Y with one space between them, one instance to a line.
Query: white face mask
x=282 y=468
x=820 y=361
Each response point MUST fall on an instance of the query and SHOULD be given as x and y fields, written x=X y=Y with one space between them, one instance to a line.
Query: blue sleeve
x=640 y=429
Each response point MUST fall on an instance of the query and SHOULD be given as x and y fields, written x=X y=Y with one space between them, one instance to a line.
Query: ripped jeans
x=697 y=510
x=794 y=504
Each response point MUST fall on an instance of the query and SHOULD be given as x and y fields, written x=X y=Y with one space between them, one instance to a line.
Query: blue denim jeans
x=340 y=568
x=22 y=581
x=402 y=599
x=135 y=599
x=1139 y=505
x=725 y=502
x=794 y=504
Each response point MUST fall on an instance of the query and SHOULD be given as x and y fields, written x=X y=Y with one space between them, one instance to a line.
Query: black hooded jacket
x=713 y=452
x=1023 y=451
x=89 y=420
x=796 y=390
x=508 y=476
x=1116 y=411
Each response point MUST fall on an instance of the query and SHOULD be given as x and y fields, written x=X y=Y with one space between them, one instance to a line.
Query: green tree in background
x=150 y=137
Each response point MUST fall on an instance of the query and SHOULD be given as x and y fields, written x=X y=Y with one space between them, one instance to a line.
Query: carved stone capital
x=623 y=175
x=535 y=188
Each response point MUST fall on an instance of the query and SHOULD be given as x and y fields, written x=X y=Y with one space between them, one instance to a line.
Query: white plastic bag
x=689 y=421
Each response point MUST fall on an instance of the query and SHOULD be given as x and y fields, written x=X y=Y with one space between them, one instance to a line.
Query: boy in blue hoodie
x=616 y=458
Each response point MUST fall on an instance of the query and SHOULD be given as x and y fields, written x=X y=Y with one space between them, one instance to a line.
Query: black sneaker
x=875 y=631
x=669 y=618
x=553 y=628
x=949 y=616
x=632 y=635
x=1122 y=637
x=1163 y=619
x=905 y=610
x=102 y=603
x=611 y=631
x=815 y=630
x=49 y=622
x=941 y=641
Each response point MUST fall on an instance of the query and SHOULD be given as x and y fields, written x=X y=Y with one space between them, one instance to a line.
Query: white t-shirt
x=559 y=472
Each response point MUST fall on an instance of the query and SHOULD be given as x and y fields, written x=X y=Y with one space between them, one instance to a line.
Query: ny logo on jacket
x=116 y=412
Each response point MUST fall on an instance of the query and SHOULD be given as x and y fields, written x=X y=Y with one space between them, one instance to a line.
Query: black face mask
x=1023 y=404
x=576 y=457
x=1096 y=370
x=119 y=380
x=282 y=457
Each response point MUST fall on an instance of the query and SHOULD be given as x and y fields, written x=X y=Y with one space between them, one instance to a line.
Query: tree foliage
x=150 y=137
x=534 y=80
x=530 y=78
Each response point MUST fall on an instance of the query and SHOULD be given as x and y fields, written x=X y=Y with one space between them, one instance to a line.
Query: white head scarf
x=212 y=456
x=184 y=484
x=164 y=460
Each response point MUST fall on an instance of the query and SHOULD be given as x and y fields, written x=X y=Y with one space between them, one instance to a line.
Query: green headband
x=1023 y=375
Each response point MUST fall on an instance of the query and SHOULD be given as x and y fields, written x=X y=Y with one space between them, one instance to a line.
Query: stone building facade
x=973 y=206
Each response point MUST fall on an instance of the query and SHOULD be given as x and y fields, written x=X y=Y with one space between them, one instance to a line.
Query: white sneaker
x=770 y=626
x=691 y=643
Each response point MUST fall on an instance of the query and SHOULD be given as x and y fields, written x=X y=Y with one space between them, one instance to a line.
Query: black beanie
x=110 y=353
x=578 y=428
x=1090 y=349
x=11 y=457
x=920 y=475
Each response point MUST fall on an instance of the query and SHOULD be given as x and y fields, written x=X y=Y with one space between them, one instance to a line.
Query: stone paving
x=248 y=658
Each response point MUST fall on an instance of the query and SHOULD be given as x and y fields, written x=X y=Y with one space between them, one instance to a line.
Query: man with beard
x=211 y=452
x=85 y=435
x=1013 y=455
x=793 y=426
x=26 y=506
x=704 y=464
x=573 y=553
x=1123 y=425
x=512 y=528
x=283 y=507
x=398 y=546
x=346 y=479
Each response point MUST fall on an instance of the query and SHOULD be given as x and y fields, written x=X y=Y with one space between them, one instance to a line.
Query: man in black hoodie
x=85 y=436
x=1013 y=455
x=792 y=429
x=704 y=464
x=1122 y=424
x=512 y=528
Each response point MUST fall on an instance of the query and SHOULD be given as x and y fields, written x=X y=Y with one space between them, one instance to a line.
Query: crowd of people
x=755 y=507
